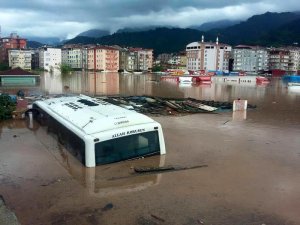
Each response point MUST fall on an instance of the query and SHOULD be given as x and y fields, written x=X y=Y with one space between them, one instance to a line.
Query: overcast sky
x=67 y=18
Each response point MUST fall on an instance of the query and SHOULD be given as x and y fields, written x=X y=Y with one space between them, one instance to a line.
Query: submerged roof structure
x=16 y=72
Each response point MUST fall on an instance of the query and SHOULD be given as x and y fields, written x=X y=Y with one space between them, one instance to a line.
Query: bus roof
x=91 y=115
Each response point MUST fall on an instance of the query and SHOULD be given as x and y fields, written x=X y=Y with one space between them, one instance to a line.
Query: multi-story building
x=72 y=57
x=208 y=56
x=19 y=58
x=49 y=58
x=127 y=59
x=144 y=58
x=149 y=58
x=178 y=61
x=11 y=42
x=286 y=59
x=183 y=59
x=294 y=60
x=174 y=60
x=279 y=59
x=249 y=58
x=132 y=61
x=136 y=59
x=35 y=61
x=103 y=58
x=164 y=58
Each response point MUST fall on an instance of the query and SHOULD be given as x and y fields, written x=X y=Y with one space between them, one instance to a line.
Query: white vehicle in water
x=99 y=131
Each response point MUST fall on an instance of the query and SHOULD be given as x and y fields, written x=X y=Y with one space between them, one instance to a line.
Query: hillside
x=81 y=40
x=34 y=44
x=161 y=39
x=94 y=33
x=266 y=29
x=254 y=28
x=287 y=34
x=216 y=25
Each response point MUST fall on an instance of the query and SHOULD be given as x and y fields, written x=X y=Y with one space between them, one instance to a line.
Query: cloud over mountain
x=67 y=18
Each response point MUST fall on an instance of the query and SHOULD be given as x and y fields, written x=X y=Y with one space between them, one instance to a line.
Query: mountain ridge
x=258 y=29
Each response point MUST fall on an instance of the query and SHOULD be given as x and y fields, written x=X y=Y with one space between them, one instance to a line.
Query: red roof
x=16 y=71
x=104 y=47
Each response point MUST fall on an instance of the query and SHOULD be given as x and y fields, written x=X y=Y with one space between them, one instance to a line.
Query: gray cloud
x=67 y=18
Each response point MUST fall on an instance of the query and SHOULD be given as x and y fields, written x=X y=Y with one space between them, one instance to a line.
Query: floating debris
x=167 y=106
x=160 y=169
x=158 y=218
x=153 y=105
x=200 y=106
x=107 y=207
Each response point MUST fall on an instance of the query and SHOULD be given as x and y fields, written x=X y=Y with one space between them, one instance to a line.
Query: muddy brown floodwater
x=253 y=159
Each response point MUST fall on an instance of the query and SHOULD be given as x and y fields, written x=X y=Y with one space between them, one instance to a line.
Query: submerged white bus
x=101 y=132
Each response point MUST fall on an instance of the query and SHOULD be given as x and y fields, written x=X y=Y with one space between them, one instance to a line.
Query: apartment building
x=103 y=58
x=11 y=42
x=35 y=61
x=250 y=58
x=174 y=60
x=49 y=58
x=294 y=60
x=183 y=59
x=178 y=60
x=279 y=59
x=128 y=59
x=72 y=57
x=208 y=56
x=136 y=59
x=144 y=58
x=19 y=58
x=164 y=58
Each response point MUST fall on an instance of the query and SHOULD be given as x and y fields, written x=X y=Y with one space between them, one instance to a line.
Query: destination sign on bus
x=128 y=133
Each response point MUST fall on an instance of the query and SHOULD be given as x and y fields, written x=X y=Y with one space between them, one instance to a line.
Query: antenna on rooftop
x=202 y=39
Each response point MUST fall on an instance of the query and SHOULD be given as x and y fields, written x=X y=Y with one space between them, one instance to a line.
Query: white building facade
x=294 y=62
x=19 y=58
x=72 y=57
x=250 y=58
x=49 y=58
x=208 y=56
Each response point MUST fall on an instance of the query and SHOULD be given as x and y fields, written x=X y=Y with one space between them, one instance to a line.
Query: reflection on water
x=276 y=104
x=275 y=101
x=294 y=90
x=239 y=115
x=102 y=180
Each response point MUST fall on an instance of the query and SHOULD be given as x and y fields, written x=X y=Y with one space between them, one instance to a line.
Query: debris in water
x=226 y=122
x=51 y=182
x=107 y=207
x=158 y=218
x=151 y=169
x=200 y=221
x=158 y=105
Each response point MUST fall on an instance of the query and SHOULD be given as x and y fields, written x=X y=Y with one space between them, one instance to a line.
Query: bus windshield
x=127 y=147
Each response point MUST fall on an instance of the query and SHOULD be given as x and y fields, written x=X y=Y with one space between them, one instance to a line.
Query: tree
x=3 y=67
x=65 y=69
x=157 y=68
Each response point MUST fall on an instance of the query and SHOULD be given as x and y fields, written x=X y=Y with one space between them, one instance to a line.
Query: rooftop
x=15 y=72
x=92 y=115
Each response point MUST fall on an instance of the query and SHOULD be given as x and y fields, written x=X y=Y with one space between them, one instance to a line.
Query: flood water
x=252 y=157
